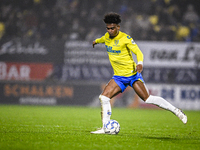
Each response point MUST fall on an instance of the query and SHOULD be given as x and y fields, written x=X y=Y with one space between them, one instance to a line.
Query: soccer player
x=119 y=47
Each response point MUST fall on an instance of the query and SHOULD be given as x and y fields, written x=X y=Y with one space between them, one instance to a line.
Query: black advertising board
x=45 y=93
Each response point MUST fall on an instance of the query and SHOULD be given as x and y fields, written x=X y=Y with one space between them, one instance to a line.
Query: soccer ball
x=111 y=127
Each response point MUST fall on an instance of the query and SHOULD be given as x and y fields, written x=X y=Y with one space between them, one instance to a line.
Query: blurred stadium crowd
x=150 y=20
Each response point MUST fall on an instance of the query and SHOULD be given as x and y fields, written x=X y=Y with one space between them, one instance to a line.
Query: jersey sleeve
x=135 y=49
x=100 y=40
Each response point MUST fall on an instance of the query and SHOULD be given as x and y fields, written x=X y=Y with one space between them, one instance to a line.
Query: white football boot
x=99 y=131
x=181 y=116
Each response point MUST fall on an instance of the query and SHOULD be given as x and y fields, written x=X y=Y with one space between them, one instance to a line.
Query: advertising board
x=27 y=50
x=25 y=71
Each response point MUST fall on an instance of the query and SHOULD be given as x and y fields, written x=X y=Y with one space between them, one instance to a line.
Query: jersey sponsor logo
x=110 y=50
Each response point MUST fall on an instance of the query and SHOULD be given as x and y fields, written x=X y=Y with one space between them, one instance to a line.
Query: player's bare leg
x=111 y=89
x=142 y=92
x=109 y=92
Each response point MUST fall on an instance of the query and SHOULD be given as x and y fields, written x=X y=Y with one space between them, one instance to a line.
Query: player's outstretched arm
x=93 y=43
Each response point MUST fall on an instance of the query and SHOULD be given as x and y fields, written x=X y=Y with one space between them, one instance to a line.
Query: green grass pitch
x=68 y=128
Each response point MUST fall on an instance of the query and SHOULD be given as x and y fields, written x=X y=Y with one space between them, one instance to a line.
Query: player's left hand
x=139 y=68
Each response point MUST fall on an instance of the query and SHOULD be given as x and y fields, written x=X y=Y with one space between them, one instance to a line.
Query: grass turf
x=62 y=127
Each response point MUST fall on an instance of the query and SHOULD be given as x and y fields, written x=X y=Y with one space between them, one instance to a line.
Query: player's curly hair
x=112 y=18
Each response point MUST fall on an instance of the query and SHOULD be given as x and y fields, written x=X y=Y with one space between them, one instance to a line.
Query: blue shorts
x=123 y=82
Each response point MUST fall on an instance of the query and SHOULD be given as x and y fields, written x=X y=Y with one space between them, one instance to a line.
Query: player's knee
x=103 y=99
x=145 y=98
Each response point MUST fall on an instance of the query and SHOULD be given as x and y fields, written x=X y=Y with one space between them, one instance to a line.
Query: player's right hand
x=93 y=43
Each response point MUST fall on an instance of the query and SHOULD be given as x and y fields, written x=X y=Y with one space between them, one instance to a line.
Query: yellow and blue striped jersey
x=120 y=50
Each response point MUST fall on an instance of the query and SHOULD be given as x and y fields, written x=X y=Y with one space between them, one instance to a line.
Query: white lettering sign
x=17 y=48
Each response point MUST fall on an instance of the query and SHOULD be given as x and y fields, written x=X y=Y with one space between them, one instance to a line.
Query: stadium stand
x=149 y=20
